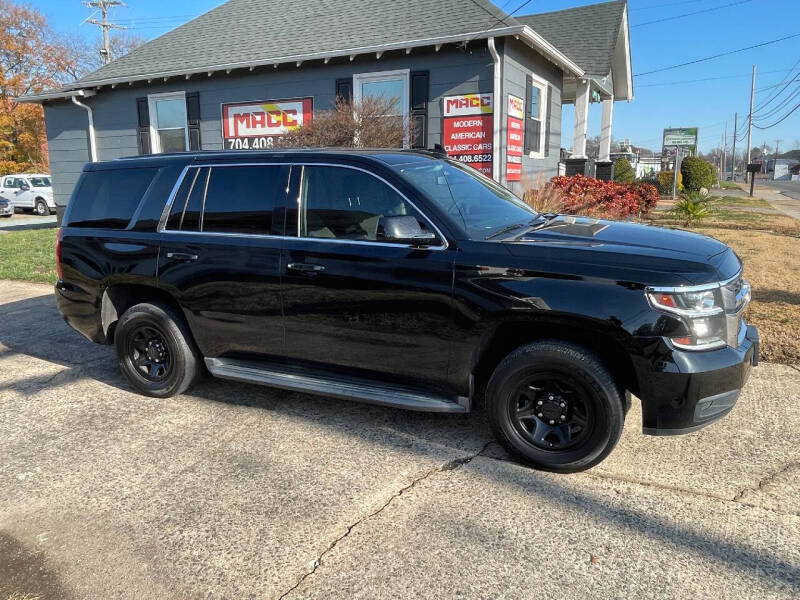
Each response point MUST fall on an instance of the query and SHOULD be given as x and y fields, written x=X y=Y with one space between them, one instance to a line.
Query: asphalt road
x=235 y=491
x=788 y=188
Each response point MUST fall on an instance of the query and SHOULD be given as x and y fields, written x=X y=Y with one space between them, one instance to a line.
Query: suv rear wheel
x=555 y=406
x=155 y=350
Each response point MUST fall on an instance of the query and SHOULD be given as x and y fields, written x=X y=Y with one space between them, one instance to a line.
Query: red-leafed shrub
x=589 y=196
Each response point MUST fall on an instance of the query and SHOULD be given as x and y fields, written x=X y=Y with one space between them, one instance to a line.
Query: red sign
x=255 y=125
x=516 y=136
x=468 y=131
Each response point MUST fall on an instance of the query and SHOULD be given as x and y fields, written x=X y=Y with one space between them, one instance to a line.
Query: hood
x=647 y=254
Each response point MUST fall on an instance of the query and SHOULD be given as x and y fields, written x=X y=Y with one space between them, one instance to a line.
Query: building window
x=169 y=130
x=391 y=85
x=536 y=127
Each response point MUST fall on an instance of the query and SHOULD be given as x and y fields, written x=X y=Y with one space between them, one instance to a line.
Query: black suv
x=408 y=280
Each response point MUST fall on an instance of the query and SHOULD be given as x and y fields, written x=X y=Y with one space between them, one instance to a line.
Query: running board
x=347 y=388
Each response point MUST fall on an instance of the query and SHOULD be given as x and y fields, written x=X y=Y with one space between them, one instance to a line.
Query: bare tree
x=87 y=56
x=372 y=123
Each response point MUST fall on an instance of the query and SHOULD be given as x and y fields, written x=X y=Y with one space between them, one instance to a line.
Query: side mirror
x=403 y=230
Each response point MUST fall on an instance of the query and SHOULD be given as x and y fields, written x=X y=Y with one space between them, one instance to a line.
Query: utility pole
x=103 y=6
x=724 y=152
x=775 y=165
x=750 y=120
x=733 y=157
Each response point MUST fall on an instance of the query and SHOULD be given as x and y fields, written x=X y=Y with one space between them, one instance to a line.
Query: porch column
x=605 y=131
x=581 y=119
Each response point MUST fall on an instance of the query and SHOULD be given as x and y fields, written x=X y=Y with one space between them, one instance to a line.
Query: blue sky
x=662 y=99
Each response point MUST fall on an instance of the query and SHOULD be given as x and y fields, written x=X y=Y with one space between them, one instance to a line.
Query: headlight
x=701 y=311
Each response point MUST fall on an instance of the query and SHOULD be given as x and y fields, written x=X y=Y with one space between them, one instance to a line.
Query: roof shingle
x=586 y=34
x=261 y=31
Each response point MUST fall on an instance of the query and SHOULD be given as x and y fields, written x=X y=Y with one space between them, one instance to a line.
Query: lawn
x=729 y=185
x=28 y=255
x=768 y=243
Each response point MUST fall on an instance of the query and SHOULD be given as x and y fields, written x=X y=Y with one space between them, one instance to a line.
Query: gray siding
x=452 y=71
x=518 y=62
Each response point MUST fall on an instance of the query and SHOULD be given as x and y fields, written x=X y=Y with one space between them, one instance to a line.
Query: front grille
x=735 y=298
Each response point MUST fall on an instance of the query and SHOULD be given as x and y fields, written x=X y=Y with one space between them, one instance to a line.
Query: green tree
x=623 y=171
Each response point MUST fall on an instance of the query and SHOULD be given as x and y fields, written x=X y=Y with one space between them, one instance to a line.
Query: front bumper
x=683 y=391
x=7 y=209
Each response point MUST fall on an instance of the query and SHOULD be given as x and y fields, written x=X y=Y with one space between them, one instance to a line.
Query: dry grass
x=771 y=266
x=769 y=245
x=17 y=596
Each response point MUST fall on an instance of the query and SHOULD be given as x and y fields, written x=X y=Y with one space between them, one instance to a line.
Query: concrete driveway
x=235 y=491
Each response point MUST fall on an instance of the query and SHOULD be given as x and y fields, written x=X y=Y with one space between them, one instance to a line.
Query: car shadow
x=32 y=327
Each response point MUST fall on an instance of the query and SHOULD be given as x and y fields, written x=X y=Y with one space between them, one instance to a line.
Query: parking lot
x=235 y=491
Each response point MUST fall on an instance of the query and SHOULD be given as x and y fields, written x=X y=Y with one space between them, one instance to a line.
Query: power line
x=776 y=109
x=662 y=5
x=697 y=12
x=778 y=93
x=707 y=58
x=104 y=6
x=786 y=116
x=742 y=76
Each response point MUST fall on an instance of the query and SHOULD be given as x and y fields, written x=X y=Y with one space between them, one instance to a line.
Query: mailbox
x=754 y=168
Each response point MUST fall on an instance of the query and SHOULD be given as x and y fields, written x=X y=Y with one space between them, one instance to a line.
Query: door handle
x=182 y=256
x=305 y=267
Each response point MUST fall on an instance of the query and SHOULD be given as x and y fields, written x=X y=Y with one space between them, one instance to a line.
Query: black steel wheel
x=555 y=406
x=148 y=352
x=155 y=350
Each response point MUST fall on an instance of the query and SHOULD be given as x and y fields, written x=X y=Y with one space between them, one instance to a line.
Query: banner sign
x=468 y=131
x=516 y=133
x=256 y=125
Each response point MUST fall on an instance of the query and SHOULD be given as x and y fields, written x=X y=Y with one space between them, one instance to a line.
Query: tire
x=41 y=208
x=155 y=339
x=581 y=408
x=7 y=216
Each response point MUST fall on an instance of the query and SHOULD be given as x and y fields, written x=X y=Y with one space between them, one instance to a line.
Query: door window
x=231 y=199
x=342 y=203
x=10 y=182
x=242 y=199
x=169 y=126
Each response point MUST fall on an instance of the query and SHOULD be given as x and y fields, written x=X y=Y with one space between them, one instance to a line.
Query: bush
x=623 y=171
x=665 y=180
x=697 y=173
x=586 y=195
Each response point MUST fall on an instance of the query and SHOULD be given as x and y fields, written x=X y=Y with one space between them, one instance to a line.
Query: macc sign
x=255 y=125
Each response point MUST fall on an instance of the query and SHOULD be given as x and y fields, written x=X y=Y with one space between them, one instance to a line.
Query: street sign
x=684 y=137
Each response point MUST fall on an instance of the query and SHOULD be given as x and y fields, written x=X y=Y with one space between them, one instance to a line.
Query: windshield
x=481 y=206
x=40 y=182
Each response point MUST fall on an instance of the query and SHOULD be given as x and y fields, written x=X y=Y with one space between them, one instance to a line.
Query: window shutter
x=344 y=89
x=193 y=119
x=529 y=124
x=420 y=94
x=548 y=116
x=143 y=129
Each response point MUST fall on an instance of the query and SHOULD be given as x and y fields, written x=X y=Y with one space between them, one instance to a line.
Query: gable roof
x=587 y=34
x=246 y=33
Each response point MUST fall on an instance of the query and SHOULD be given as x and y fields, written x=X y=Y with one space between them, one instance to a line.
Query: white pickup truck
x=29 y=191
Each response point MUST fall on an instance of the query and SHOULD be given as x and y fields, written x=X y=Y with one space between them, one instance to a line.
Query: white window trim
x=155 y=143
x=377 y=76
x=544 y=99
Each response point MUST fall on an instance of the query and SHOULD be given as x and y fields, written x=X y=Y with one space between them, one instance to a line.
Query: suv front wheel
x=155 y=350
x=555 y=406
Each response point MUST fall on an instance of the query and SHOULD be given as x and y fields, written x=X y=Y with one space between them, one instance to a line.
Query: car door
x=24 y=194
x=220 y=257
x=356 y=303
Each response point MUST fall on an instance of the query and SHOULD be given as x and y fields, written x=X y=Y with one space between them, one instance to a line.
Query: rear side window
x=231 y=199
x=109 y=198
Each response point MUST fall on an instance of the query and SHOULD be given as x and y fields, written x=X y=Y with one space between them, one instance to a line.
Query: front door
x=354 y=302
x=220 y=257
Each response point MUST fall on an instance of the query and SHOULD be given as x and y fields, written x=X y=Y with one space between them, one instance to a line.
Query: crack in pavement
x=764 y=481
x=450 y=465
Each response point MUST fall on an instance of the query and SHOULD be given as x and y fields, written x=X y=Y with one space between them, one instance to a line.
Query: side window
x=242 y=199
x=341 y=203
x=108 y=198
x=10 y=182
x=185 y=213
